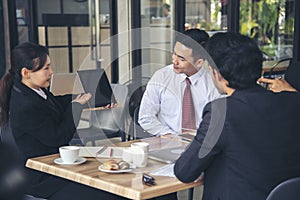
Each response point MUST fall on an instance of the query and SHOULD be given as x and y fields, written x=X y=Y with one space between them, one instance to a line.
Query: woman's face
x=39 y=79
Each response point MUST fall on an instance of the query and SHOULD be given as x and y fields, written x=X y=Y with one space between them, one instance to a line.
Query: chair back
x=135 y=99
x=7 y=137
x=289 y=189
x=138 y=131
x=112 y=119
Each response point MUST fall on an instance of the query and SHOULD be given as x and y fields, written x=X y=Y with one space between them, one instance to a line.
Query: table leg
x=190 y=193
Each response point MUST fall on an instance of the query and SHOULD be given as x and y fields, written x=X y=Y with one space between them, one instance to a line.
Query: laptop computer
x=168 y=155
x=95 y=81
x=65 y=83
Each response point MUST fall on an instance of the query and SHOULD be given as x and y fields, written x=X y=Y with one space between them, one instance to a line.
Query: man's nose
x=174 y=59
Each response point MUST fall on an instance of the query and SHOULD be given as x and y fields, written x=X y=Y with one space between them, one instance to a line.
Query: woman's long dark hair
x=29 y=55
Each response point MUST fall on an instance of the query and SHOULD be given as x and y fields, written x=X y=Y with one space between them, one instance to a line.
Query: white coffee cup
x=142 y=145
x=139 y=152
x=69 y=154
x=127 y=154
x=139 y=157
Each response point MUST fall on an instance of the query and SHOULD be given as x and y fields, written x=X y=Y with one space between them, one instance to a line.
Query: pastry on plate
x=110 y=165
x=123 y=165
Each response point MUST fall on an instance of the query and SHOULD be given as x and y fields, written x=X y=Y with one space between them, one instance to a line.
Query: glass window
x=271 y=24
x=71 y=30
x=156 y=31
x=22 y=17
x=208 y=15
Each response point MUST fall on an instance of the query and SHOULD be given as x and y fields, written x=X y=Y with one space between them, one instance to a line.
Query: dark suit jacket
x=246 y=144
x=39 y=127
x=292 y=75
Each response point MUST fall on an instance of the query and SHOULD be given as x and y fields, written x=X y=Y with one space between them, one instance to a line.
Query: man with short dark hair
x=161 y=106
x=248 y=142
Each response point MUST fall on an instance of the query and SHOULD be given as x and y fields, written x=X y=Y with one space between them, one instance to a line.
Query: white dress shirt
x=161 y=105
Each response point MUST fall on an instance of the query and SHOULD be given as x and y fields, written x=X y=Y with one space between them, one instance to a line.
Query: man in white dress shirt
x=161 y=105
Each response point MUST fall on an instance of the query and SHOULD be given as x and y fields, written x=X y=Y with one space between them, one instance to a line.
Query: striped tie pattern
x=188 y=111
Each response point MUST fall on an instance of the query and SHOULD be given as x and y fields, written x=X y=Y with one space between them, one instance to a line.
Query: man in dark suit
x=247 y=142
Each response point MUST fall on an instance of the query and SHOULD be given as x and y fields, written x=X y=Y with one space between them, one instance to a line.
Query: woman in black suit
x=41 y=122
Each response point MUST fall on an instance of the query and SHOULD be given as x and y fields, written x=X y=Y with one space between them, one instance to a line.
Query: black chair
x=138 y=131
x=135 y=130
x=8 y=140
x=289 y=189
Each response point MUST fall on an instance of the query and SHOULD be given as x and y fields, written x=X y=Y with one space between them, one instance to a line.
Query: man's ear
x=25 y=73
x=199 y=62
x=220 y=77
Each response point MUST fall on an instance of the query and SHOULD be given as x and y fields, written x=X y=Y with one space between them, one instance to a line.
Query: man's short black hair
x=237 y=57
x=193 y=39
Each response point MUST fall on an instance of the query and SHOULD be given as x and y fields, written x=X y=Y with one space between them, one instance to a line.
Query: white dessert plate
x=114 y=171
x=80 y=160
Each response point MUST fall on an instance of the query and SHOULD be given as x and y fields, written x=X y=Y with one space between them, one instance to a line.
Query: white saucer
x=114 y=171
x=77 y=162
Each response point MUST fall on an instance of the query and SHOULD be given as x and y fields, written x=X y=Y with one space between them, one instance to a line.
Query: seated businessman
x=248 y=142
x=176 y=94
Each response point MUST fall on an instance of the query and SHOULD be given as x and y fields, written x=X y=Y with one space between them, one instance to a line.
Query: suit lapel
x=50 y=104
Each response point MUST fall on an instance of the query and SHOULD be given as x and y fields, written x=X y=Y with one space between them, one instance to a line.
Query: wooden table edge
x=86 y=180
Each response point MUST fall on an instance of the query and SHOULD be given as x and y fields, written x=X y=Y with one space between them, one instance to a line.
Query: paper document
x=166 y=170
x=103 y=152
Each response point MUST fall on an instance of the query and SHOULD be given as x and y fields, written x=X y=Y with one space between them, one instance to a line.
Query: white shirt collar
x=40 y=92
x=195 y=77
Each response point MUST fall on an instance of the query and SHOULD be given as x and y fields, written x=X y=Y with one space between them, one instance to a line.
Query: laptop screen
x=95 y=81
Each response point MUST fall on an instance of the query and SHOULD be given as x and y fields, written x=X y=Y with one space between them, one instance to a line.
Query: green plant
x=264 y=20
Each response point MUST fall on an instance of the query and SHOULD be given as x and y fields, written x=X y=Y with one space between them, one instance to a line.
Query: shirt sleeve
x=150 y=107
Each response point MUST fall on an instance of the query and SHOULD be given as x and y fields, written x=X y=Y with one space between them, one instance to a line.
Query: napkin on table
x=108 y=152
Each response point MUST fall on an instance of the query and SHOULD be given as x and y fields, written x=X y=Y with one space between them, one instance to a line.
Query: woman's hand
x=82 y=98
x=112 y=105
x=277 y=85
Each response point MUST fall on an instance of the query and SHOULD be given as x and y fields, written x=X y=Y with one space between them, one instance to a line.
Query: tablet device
x=95 y=81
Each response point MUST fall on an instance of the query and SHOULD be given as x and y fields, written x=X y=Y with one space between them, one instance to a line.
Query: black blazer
x=39 y=127
x=246 y=144
x=292 y=74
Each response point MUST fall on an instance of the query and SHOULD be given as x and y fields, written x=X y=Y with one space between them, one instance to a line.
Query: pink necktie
x=188 y=111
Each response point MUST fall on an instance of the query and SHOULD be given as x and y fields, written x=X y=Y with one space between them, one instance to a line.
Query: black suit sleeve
x=292 y=75
x=206 y=145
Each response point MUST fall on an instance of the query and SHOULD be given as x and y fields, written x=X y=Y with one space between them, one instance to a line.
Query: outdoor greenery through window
x=208 y=15
x=271 y=24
